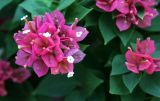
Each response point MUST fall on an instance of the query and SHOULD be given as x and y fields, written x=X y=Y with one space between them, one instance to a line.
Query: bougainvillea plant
x=79 y=50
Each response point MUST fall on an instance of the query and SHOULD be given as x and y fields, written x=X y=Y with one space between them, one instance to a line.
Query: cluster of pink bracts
x=18 y=75
x=141 y=59
x=129 y=12
x=47 y=43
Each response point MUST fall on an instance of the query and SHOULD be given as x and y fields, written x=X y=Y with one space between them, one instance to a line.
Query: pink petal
x=49 y=60
x=122 y=6
x=24 y=59
x=122 y=23
x=144 y=65
x=77 y=55
x=40 y=68
x=132 y=67
x=58 y=18
x=58 y=53
x=80 y=30
x=145 y=47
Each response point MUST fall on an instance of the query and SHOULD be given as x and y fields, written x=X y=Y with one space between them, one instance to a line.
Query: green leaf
x=54 y=86
x=155 y=99
x=76 y=11
x=75 y=96
x=106 y=28
x=18 y=14
x=91 y=19
x=118 y=65
x=3 y=3
x=131 y=80
x=117 y=86
x=137 y=95
x=64 y=4
x=98 y=95
x=125 y=36
x=155 y=25
x=151 y=84
x=35 y=7
x=11 y=47
x=140 y=13
x=83 y=47
x=89 y=82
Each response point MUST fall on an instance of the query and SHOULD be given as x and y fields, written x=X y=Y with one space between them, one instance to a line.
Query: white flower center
x=78 y=34
x=24 y=17
x=47 y=34
x=70 y=74
x=26 y=31
x=70 y=59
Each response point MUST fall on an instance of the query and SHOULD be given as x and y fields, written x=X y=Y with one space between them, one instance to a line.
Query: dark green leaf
x=125 y=36
x=3 y=3
x=118 y=65
x=117 y=86
x=137 y=95
x=83 y=47
x=54 y=86
x=131 y=80
x=64 y=4
x=151 y=84
x=76 y=11
x=107 y=28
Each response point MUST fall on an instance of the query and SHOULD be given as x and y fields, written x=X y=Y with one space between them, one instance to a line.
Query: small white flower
x=47 y=34
x=78 y=34
x=19 y=46
x=26 y=31
x=24 y=17
x=70 y=59
x=70 y=74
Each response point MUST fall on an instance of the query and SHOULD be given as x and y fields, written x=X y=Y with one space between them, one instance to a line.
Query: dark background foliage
x=101 y=76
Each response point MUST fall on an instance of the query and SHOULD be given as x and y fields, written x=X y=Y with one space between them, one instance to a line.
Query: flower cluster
x=141 y=59
x=137 y=12
x=18 y=75
x=47 y=43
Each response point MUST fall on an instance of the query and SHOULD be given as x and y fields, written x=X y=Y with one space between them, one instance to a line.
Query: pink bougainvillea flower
x=145 y=47
x=5 y=70
x=137 y=62
x=140 y=60
x=19 y=75
x=47 y=43
x=130 y=12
